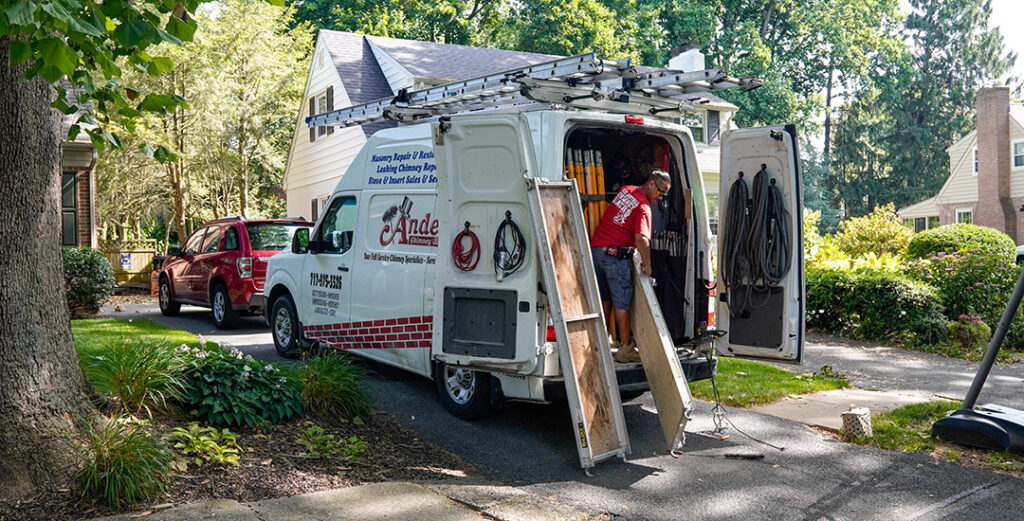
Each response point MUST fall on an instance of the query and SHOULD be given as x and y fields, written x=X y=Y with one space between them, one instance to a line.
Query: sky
x=1006 y=14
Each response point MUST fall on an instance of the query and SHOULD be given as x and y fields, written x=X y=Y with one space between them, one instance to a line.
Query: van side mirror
x=300 y=241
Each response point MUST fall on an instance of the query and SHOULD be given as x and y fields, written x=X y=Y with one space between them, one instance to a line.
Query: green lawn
x=744 y=383
x=909 y=429
x=92 y=336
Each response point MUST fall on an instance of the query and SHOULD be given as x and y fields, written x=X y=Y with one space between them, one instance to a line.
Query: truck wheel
x=463 y=392
x=284 y=326
x=168 y=307
x=224 y=316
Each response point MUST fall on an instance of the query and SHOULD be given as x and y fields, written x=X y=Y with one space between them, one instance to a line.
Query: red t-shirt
x=629 y=214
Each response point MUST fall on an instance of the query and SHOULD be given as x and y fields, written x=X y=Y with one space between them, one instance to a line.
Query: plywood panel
x=669 y=388
x=584 y=339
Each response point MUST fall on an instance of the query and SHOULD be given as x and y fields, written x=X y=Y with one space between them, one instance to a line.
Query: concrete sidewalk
x=393 y=501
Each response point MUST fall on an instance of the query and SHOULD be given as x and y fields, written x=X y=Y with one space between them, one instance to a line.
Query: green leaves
x=181 y=29
x=20 y=13
x=56 y=57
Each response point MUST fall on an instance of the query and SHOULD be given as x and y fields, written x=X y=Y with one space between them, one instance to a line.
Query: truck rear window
x=270 y=236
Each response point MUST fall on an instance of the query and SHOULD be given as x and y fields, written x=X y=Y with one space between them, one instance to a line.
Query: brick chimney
x=995 y=208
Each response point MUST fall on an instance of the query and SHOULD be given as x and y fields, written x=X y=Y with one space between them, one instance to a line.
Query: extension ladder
x=583 y=82
x=575 y=306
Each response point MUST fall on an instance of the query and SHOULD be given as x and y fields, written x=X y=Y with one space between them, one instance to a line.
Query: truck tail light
x=244 y=267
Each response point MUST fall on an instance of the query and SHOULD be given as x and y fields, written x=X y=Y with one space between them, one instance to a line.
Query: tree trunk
x=828 y=104
x=44 y=398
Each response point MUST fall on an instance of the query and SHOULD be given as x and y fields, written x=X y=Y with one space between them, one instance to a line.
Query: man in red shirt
x=625 y=227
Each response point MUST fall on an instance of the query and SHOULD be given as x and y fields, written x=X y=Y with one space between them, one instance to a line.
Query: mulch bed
x=273 y=464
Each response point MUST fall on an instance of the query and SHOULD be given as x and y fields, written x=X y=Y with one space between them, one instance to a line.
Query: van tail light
x=244 y=267
x=551 y=334
x=634 y=120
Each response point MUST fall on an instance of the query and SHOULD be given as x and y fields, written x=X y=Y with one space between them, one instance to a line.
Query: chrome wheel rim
x=165 y=296
x=460 y=383
x=282 y=326
x=219 y=301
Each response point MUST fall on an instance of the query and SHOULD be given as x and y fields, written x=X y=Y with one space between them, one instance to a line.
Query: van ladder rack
x=583 y=82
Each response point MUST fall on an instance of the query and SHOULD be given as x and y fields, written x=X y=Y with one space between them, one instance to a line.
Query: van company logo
x=407 y=230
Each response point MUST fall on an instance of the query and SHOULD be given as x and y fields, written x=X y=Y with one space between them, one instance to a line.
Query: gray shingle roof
x=364 y=81
x=454 y=62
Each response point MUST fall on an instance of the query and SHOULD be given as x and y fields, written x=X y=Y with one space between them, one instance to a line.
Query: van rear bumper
x=631 y=377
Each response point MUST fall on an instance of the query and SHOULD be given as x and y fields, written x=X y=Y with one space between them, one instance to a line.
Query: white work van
x=388 y=274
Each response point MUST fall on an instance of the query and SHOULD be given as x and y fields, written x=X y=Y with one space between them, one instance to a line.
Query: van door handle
x=342 y=268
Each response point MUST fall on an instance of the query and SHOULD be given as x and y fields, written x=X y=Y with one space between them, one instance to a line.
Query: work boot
x=627 y=354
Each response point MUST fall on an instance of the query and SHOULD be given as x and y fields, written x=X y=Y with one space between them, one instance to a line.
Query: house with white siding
x=986 y=173
x=78 y=160
x=351 y=69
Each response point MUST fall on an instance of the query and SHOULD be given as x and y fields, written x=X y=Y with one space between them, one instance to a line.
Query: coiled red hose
x=466 y=260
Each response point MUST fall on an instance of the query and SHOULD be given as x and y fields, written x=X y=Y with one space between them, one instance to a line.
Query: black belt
x=620 y=252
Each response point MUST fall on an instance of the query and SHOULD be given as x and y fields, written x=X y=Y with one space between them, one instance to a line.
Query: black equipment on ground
x=987 y=426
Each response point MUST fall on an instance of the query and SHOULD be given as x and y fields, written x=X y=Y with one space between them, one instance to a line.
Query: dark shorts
x=614 y=278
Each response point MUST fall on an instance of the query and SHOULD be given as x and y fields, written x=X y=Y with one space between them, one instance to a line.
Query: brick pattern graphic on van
x=390 y=333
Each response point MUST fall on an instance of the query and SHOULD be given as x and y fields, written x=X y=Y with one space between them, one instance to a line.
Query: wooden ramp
x=669 y=387
x=583 y=350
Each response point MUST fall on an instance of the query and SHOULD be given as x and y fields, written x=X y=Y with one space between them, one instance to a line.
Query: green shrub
x=125 y=464
x=878 y=232
x=974 y=283
x=333 y=387
x=961 y=237
x=874 y=305
x=819 y=250
x=141 y=377
x=318 y=443
x=970 y=332
x=229 y=388
x=207 y=445
x=88 y=279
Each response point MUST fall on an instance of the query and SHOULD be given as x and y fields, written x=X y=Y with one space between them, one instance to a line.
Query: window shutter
x=312 y=111
x=313 y=206
x=330 y=105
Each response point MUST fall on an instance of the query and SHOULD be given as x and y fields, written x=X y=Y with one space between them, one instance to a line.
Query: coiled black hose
x=734 y=254
x=769 y=241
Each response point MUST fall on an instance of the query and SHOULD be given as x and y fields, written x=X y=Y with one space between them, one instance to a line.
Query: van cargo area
x=628 y=156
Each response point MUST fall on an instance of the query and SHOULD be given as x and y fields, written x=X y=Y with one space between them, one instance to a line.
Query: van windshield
x=270 y=236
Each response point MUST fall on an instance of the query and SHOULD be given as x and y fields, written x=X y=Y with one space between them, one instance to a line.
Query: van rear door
x=484 y=316
x=760 y=245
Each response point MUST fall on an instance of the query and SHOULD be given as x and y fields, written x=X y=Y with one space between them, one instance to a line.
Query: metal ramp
x=582 y=82
x=575 y=306
x=669 y=388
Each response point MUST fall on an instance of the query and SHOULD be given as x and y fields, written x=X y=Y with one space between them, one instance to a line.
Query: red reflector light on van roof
x=551 y=334
x=635 y=120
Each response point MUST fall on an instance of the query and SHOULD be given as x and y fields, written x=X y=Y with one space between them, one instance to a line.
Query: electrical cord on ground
x=507 y=262
x=466 y=260
x=718 y=412
x=734 y=254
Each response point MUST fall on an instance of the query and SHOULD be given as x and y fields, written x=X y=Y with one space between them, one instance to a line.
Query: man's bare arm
x=643 y=245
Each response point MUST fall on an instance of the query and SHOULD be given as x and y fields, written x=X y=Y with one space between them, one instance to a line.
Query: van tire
x=284 y=327
x=168 y=307
x=224 y=316
x=463 y=392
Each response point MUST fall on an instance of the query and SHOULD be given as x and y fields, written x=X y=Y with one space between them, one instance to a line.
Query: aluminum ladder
x=582 y=82
x=580 y=331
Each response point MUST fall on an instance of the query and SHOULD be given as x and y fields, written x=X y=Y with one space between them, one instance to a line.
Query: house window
x=1017 y=154
x=321 y=107
x=975 y=171
x=933 y=222
x=69 y=209
x=965 y=216
x=713 y=212
x=714 y=127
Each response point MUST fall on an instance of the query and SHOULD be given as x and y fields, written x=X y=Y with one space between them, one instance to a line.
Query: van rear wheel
x=463 y=392
x=284 y=326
